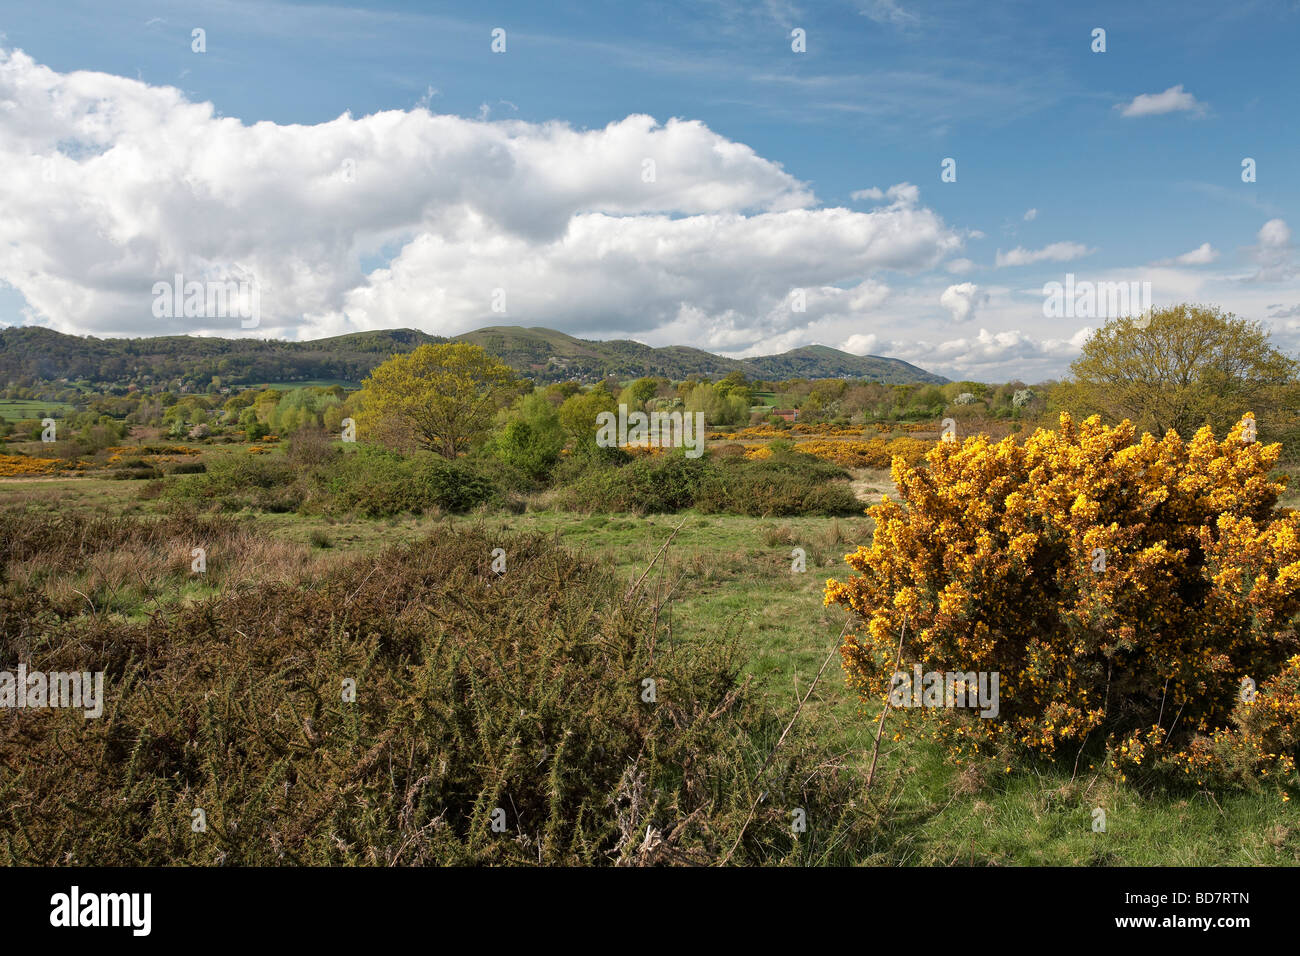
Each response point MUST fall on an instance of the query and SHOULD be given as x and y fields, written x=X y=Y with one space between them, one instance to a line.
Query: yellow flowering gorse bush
x=20 y=466
x=1116 y=586
x=873 y=453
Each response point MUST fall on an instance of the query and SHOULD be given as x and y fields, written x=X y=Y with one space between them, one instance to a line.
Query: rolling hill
x=29 y=355
x=548 y=355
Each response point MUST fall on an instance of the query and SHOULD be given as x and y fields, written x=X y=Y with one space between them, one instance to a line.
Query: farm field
x=311 y=383
x=14 y=409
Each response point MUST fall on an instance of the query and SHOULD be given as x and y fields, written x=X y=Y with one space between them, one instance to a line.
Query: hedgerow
x=371 y=482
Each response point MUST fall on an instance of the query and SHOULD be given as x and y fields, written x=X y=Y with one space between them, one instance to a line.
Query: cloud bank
x=407 y=218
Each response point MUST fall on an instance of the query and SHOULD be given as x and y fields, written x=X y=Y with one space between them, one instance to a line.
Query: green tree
x=718 y=409
x=439 y=397
x=333 y=417
x=1180 y=368
x=638 y=393
x=927 y=401
x=254 y=430
x=532 y=438
x=735 y=383
x=578 y=417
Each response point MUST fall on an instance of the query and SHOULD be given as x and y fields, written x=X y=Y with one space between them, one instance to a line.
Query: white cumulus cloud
x=1056 y=252
x=407 y=218
x=1274 y=253
x=962 y=300
x=1173 y=100
x=1202 y=255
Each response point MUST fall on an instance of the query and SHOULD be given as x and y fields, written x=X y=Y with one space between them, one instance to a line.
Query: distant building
x=789 y=414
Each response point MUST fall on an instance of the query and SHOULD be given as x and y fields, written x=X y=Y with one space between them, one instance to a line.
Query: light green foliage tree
x=951 y=390
x=578 y=417
x=264 y=404
x=439 y=397
x=301 y=408
x=532 y=437
x=557 y=392
x=735 y=383
x=332 y=418
x=928 y=400
x=718 y=409
x=638 y=393
x=1180 y=368
x=237 y=403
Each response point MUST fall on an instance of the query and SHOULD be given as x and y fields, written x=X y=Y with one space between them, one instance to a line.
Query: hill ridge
x=32 y=353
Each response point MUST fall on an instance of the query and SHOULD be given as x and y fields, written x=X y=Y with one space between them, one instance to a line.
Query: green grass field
x=309 y=383
x=20 y=409
x=728 y=577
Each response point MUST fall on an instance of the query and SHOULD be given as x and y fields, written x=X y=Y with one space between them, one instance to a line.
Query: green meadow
x=727 y=579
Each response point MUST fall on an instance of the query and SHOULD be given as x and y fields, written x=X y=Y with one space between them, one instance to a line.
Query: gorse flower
x=873 y=453
x=1116 y=584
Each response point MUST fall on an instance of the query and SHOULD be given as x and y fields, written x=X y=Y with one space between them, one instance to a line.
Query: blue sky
x=1128 y=159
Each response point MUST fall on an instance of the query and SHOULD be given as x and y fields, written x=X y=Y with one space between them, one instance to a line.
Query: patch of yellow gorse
x=992 y=558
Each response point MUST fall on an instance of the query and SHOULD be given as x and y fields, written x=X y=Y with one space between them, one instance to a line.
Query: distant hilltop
x=545 y=355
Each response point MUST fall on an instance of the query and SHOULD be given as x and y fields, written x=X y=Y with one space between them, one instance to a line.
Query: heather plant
x=122 y=565
x=1124 y=589
x=422 y=706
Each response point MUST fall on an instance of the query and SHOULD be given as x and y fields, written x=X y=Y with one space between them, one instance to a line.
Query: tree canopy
x=440 y=397
x=1180 y=368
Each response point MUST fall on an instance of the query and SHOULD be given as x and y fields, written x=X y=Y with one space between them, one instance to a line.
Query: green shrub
x=655 y=484
x=531 y=441
x=786 y=484
x=475 y=695
x=141 y=472
x=235 y=481
x=377 y=483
